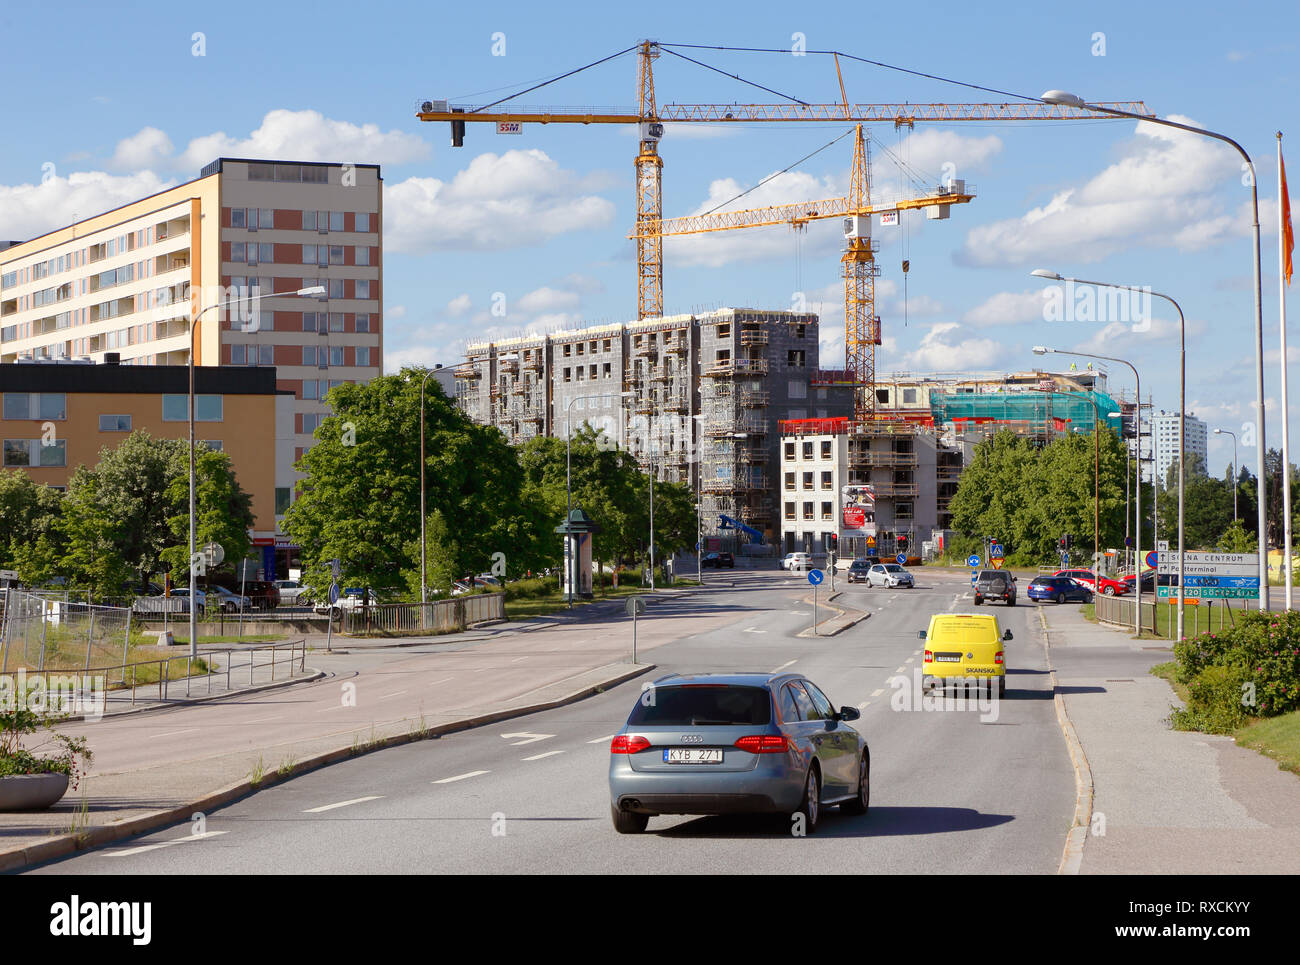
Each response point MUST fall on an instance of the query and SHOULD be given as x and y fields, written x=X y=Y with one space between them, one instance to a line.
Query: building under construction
x=696 y=398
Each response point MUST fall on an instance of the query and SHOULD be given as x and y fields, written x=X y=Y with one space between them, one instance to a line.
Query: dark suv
x=718 y=561
x=995 y=585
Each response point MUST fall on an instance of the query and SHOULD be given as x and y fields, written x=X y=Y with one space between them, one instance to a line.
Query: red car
x=1089 y=579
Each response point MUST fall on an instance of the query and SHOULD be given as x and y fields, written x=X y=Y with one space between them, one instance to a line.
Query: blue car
x=736 y=744
x=1059 y=589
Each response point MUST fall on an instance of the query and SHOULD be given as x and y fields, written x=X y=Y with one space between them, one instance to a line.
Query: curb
x=67 y=844
x=1072 y=855
x=840 y=612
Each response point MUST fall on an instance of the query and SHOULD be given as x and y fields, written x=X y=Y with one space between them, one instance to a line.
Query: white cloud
x=395 y=311
x=459 y=305
x=934 y=152
x=145 y=149
x=1162 y=192
x=547 y=299
x=1008 y=308
x=583 y=284
x=940 y=351
x=510 y=200
x=310 y=136
x=28 y=210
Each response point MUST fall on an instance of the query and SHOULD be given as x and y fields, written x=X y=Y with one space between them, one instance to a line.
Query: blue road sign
x=995 y=551
x=973 y=560
x=1238 y=582
x=1153 y=559
x=815 y=577
x=902 y=558
x=334 y=593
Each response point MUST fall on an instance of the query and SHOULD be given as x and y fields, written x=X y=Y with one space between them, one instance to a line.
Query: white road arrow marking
x=538 y=757
x=527 y=738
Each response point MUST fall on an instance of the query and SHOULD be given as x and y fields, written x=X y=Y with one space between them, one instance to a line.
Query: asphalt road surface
x=956 y=790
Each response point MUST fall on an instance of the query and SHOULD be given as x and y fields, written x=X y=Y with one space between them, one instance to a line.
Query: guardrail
x=440 y=616
x=1118 y=611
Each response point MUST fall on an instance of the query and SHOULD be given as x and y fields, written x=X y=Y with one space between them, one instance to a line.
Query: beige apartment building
x=123 y=283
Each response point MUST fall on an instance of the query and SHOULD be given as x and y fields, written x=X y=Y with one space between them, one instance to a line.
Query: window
x=266 y=219
x=336 y=355
x=311 y=422
x=336 y=221
x=237 y=218
x=216 y=445
x=789 y=481
x=827 y=512
x=310 y=389
x=17 y=453
x=17 y=406
x=566 y=371
x=789 y=709
x=309 y=221
x=826 y=448
x=789 y=510
x=336 y=288
x=265 y=354
x=336 y=254
x=789 y=450
x=115 y=423
x=909 y=396
x=795 y=359
x=606 y=371
x=807 y=450
x=309 y=321
x=807 y=480
x=238 y=355
x=309 y=254
x=363 y=221
x=283 y=497
x=363 y=355
x=363 y=288
x=798 y=390
x=207 y=408
x=808 y=509
x=336 y=321
x=363 y=321
x=362 y=255
x=35 y=405
x=826 y=480
x=309 y=355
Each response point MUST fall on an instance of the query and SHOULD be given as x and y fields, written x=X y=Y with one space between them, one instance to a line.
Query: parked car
x=859 y=571
x=350 y=598
x=1098 y=585
x=183 y=593
x=1150 y=580
x=228 y=600
x=995 y=585
x=718 y=561
x=1060 y=589
x=292 y=593
x=737 y=743
x=889 y=575
x=796 y=561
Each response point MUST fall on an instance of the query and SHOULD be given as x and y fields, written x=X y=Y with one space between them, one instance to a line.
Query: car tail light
x=763 y=743
x=998 y=657
x=929 y=656
x=623 y=744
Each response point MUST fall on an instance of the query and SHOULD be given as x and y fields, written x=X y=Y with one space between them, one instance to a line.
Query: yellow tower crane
x=651 y=118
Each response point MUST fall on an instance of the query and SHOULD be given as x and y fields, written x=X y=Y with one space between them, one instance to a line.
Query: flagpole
x=1284 y=277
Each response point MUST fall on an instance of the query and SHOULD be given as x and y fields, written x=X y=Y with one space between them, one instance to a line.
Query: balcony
x=730 y=368
x=753 y=336
x=753 y=398
x=862 y=458
x=677 y=346
x=467 y=370
x=895 y=489
x=647 y=347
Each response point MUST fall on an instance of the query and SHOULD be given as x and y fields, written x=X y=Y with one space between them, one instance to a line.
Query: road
x=952 y=791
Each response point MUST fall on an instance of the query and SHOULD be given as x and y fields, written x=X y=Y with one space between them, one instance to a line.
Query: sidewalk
x=154 y=769
x=1165 y=801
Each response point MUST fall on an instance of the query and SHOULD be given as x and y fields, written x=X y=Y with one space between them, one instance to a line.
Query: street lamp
x=1229 y=432
x=1137 y=506
x=572 y=561
x=194 y=564
x=424 y=571
x=1067 y=99
x=698 y=419
x=1182 y=405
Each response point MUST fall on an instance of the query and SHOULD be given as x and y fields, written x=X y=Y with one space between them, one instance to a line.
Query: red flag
x=1288 y=235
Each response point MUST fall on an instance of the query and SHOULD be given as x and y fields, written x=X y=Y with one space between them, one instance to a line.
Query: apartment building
x=58 y=415
x=1164 y=432
x=125 y=282
x=696 y=398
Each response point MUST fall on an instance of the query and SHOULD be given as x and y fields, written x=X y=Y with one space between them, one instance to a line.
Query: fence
x=40 y=633
x=442 y=616
x=1204 y=616
x=224 y=666
x=1119 y=610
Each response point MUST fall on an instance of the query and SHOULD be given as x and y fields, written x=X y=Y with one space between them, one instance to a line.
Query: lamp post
x=572 y=560
x=1229 y=432
x=194 y=561
x=1137 y=507
x=424 y=570
x=1073 y=100
x=698 y=419
x=1182 y=406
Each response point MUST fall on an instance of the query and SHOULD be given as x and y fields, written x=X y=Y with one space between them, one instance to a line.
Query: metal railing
x=442 y=615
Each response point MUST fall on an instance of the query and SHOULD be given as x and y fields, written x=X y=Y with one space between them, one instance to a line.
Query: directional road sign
x=1210 y=592
x=902 y=558
x=1236 y=582
x=815 y=577
x=973 y=560
x=635 y=606
x=1211 y=564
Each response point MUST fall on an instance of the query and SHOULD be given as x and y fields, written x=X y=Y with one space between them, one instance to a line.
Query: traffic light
x=834 y=542
x=902 y=541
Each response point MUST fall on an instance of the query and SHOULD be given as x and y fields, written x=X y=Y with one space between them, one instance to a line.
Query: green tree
x=29 y=514
x=223 y=512
x=360 y=502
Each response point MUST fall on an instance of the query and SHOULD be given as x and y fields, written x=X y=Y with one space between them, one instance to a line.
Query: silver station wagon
x=737 y=744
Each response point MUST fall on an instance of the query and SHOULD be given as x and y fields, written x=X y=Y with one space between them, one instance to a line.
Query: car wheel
x=1109 y=591
x=628 y=822
x=978 y=600
x=228 y=607
x=862 y=803
x=811 y=808
x=1011 y=602
x=1060 y=598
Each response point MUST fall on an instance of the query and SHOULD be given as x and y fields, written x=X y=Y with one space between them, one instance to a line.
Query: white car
x=229 y=601
x=797 y=561
x=290 y=591
x=889 y=575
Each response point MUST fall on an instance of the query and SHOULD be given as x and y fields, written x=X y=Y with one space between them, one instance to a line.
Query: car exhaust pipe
x=629 y=804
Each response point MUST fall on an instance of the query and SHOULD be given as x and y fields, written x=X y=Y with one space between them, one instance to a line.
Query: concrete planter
x=31 y=792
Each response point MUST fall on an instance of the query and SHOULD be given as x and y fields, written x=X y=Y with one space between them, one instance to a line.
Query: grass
x=1196 y=619
x=1166 y=671
x=1277 y=738
x=232 y=638
x=554 y=600
x=258 y=772
x=1090 y=612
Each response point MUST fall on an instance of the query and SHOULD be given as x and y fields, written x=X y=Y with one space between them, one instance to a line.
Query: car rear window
x=697 y=705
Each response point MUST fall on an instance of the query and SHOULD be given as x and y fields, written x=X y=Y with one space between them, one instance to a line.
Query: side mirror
x=849 y=713
x=920 y=634
x=1007 y=636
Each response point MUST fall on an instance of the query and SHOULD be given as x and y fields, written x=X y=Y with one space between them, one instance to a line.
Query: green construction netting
x=1037 y=409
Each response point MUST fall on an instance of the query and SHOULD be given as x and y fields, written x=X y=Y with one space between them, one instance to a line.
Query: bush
x=529 y=589
x=1251 y=670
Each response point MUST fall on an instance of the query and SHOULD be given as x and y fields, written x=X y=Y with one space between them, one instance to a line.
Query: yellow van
x=964 y=645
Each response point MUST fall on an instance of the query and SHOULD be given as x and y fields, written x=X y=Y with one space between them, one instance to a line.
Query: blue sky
x=104 y=107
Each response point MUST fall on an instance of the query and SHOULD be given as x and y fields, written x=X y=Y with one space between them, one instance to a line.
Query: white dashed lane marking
x=127 y=852
x=538 y=757
x=342 y=804
x=460 y=777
